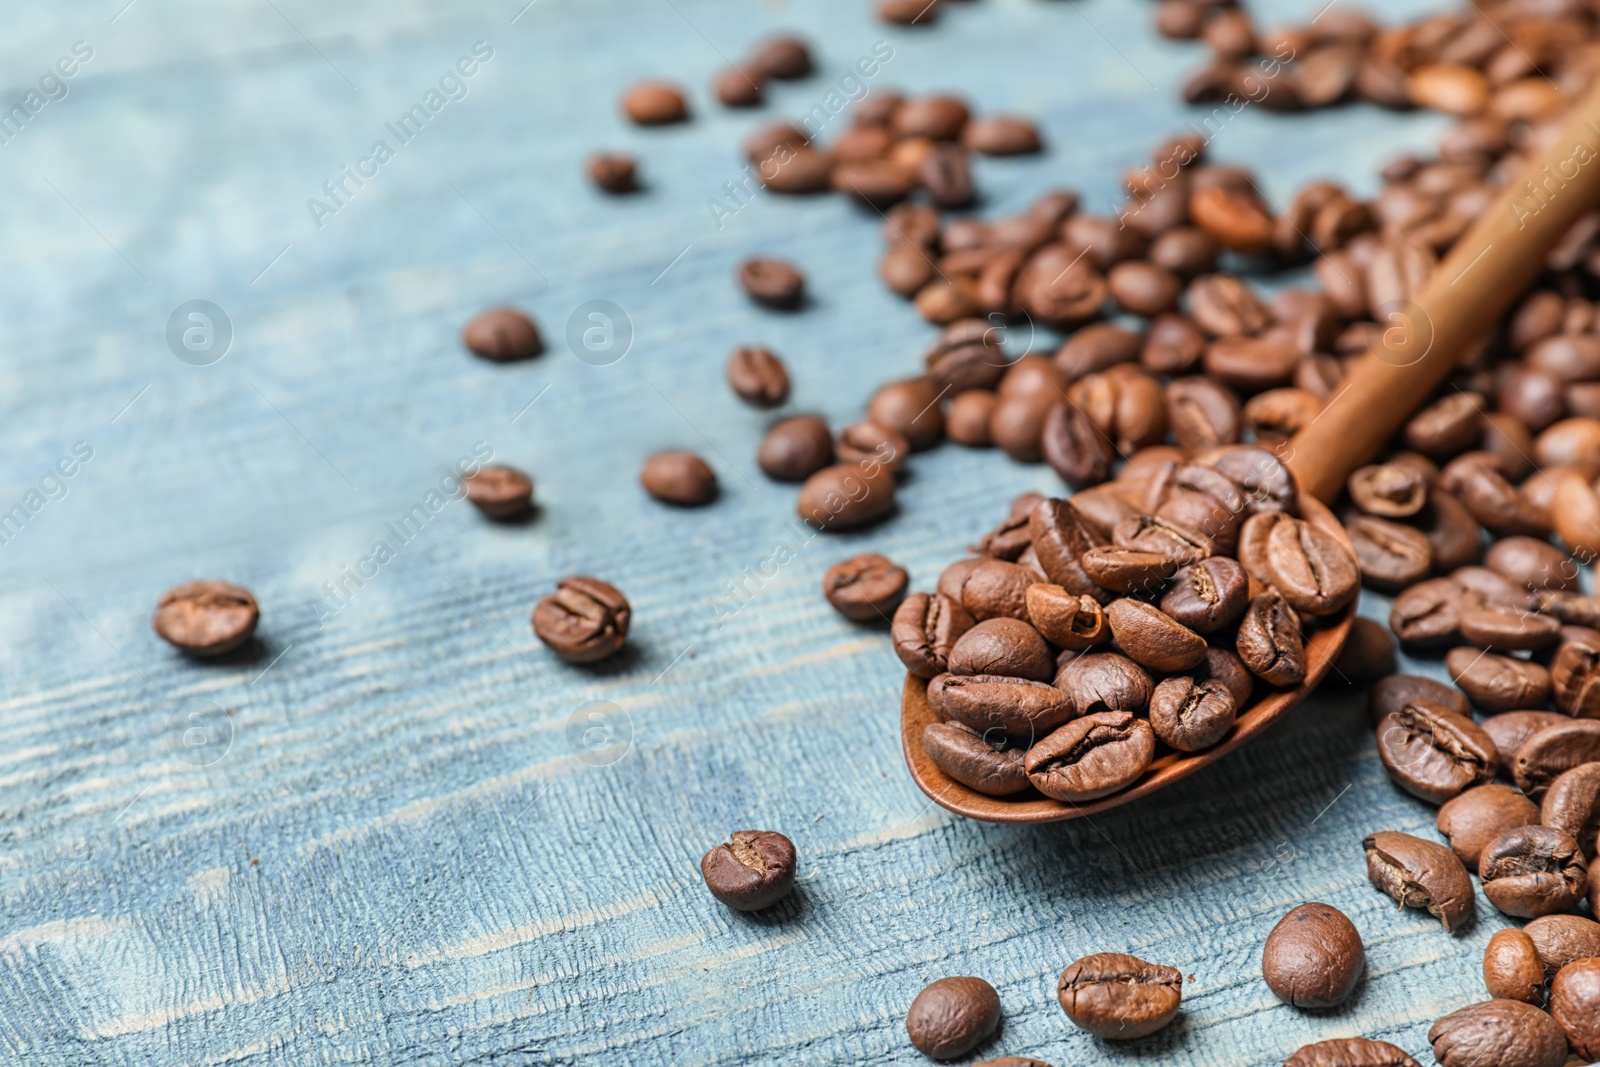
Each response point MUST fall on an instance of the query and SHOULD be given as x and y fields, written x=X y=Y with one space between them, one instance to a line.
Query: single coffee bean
x=785 y=56
x=1060 y=537
x=1002 y=135
x=1075 y=449
x=1552 y=752
x=1391 y=555
x=1560 y=939
x=1427 y=614
x=1075 y=622
x=1572 y=804
x=1269 y=641
x=967 y=421
x=1498 y=683
x=1012 y=537
x=1369 y=653
x=1003 y=646
x=968 y=757
x=753 y=870
x=910 y=408
x=946 y=175
x=1150 y=533
x=924 y=629
x=866 y=588
x=680 y=478
x=847 y=495
x=758 y=377
x=1105 y=681
x=1530 y=871
x=1575 y=676
x=1254 y=536
x=500 y=492
x=738 y=87
x=1575 y=1006
x=1449 y=425
x=1478 y=816
x=1153 y=639
x=1503 y=629
x=584 y=620
x=1396 y=691
x=1433 y=753
x=1207 y=596
x=992 y=588
x=1313 y=957
x=1509 y=729
x=1452 y=532
x=1571 y=608
x=1532 y=563
x=1143 y=288
x=1498 y=1033
x=1482 y=587
x=794 y=449
x=1119 y=998
x=206 y=618
x=613 y=172
x=1315 y=573
x=867 y=442
x=1420 y=874
x=1019 y=707
x=1128 y=570
x=654 y=103
x=1512 y=969
x=953 y=1016
x=1091 y=757
x=773 y=283
x=502 y=335
x=1350 y=1052
x=1388 y=490
x=1191 y=715
x=1011 y=1061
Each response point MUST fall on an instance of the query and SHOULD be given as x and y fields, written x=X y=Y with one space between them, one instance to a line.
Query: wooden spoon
x=1492 y=264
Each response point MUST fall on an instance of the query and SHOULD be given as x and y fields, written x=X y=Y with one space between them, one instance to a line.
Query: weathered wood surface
x=405 y=853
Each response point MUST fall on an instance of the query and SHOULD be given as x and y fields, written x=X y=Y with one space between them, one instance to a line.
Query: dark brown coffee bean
x=1092 y=756
x=754 y=870
x=866 y=588
x=878 y=183
x=206 y=618
x=1207 y=596
x=1390 y=491
x=1313 y=957
x=1530 y=871
x=1572 y=805
x=655 y=103
x=794 y=449
x=1550 y=753
x=758 y=377
x=867 y=442
x=1316 y=574
x=738 y=87
x=1165 y=537
x=1269 y=641
x=924 y=629
x=1251 y=364
x=1574 y=675
x=847 y=495
x=1369 y=653
x=1433 y=753
x=953 y=1016
x=1002 y=135
x=1452 y=532
x=502 y=335
x=1391 y=555
x=993 y=588
x=1060 y=537
x=1420 y=874
x=1128 y=570
x=1011 y=1061
x=1575 y=1006
x=773 y=283
x=1105 y=681
x=1498 y=683
x=1483 y=587
x=1532 y=563
x=906 y=269
x=1510 y=729
x=910 y=408
x=1267 y=483
x=1119 y=998
x=1350 y=1052
x=946 y=174
x=1075 y=449
x=1152 y=639
x=1475 y=818
x=1018 y=707
x=613 y=172
x=500 y=492
x=1071 y=621
x=1224 y=306
x=1191 y=715
x=1449 y=425
x=1560 y=939
x=584 y=620
x=1003 y=646
x=1498 y=1033
x=786 y=57
x=1507 y=630
x=1143 y=288
x=967 y=421
x=1428 y=614
x=680 y=478
x=1173 y=346
x=1396 y=691
x=1571 y=608
x=1512 y=969
x=1235 y=217
x=1202 y=414
x=969 y=758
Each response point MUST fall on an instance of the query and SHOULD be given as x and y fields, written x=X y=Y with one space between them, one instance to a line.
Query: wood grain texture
x=401 y=857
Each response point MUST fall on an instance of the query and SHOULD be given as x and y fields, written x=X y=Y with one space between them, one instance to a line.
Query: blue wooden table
x=399 y=831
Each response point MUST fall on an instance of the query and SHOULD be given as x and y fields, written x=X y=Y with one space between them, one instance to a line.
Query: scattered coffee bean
x=866 y=588
x=1313 y=957
x=680 y=478
x=1512 y=969
x=738 y=87
x=969 y=757
x=794 y=449
x=1478 y=816
x=1002 y=135
x=925 y=628
x=910 y=408
x=1368 y=654
x=1498 y=683
x=1572 y=805
x=1433 y=753
x=867 y=442
x=758 y=377
x=502 y=335
x=1530 y=871
x=1350 y=1052
x=1498 y=1033
x=1550 y=753
x=1420 y=874
x=583 y=621
x=500 y=492
x=785 y=56
x=773 y=283
x=1396 y=691
x=206 y=618
x=654 y=103
x=847 y=495
x=1119 y=998
x=1389 y=490
x=1510 y=729
x=1091 y=757
x=953 y=1016
x=753 y=870
x=1575 y=1006
x=612 y=172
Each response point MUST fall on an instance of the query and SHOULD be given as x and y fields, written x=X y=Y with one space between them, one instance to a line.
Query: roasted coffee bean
x=1269 y=641
x=206 y=618
x=1560 y=939
x=1017 y=426
x=1003 y=646
x=1498 y=1033
x=1105 y=681
x=1503 y=629
x=794 y=449
x=967 y=421
x=613 y=172
x=1012 y=537
x=1143 y=288
x=1207 y=596
x=1391 y=554
x=1173 y=345
x=1493 y=590
x=1071 y=621
x=1075 y=449
x=1267 y=483
x=1510 y=729
x=500 y=492
x=1572 y=805
x=1313 y=957
x=876 y=184
x=847 y=495
x=866 y=588
x=1016 y=706
x=502 y=335
x=994 y=588
x=1550 y=753
x=738 y=87
x=1316 y=574
x=1091 y=757
x=1449 y=425
x=1396 y=691
x=758 y=377
x=1191 y=715
x=1474 y=819
x=1252 y=364
x=1165 y=537
x=796 y=171
x=1225 y=667
x=1002 y=135
x=1512 y=969
x=969 y=758
x=1369 y=653
x=584 y=620
x=1096 y=347
x=1202 y=413
x=1575 y=676
x=924 y=630
x=1420 y=874
x=785 y=57
x=1575 y=1006
x=1011 y=1061
x=1119 y=998
x=953 y=1016
x=867 y=442
x=910 y=408
x=1498 y=683
x=773 y=283
x=655 y=103
x=1350 y=1052
x=680 y=478
x=1128 y=570
x=1452 y=532
x=1427 y=614
x=753 y=870
x=1153 y=639
x=1530 y=871
x=1433 y=753
x=1532 y=563
x=946 y=174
